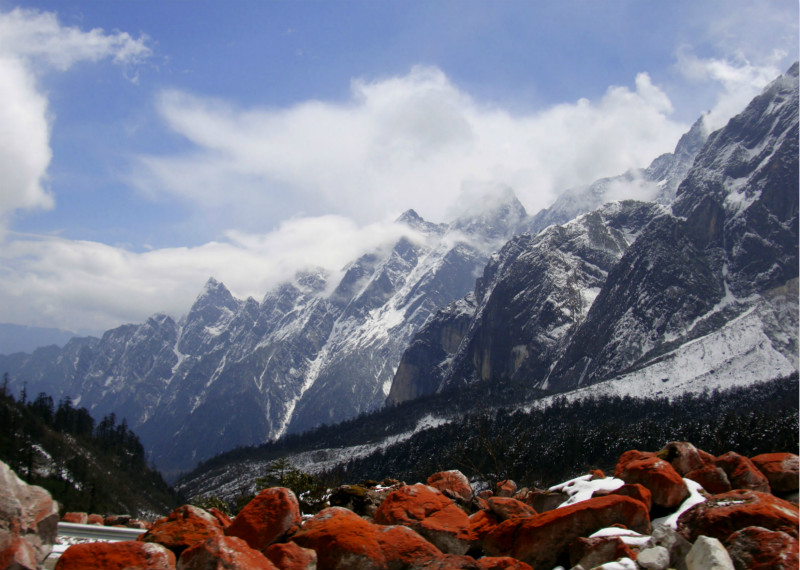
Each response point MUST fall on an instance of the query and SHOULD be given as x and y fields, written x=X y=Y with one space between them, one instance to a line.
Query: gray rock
x=708 y=554
x=655 y=558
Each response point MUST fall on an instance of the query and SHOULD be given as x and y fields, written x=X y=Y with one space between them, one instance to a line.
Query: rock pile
x=653 y=514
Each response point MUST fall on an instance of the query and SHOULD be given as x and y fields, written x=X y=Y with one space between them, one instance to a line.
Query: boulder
x=403 y=548
x=429 y=512
x=782 y=470
x=659 y=477
x=182 y=528
x=507 y=508
x=117 y=520
x=712 y=478
x=223 y=552
x=654 y=558
x=543 y=539
x=502 y=563
x=454 y=484
x=592 y=552
x=17 y=553
x=756 y=548
x=342 y=540
x=707 y=553
x=683 y=456
x=267 y=518
x=542 y=500
x=481 y=524
x=742 y=473
x=28 y=514
x=447 y=562
x=722 y=515
x=360 y=499
x=677 y=546
x=76 y=518
x=290 y=556
x=95 y=519
x=505 y=488
x=125 y=555
x=223 y=519
x=636 y=491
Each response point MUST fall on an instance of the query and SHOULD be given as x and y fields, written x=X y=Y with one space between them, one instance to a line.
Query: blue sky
x=149 y=145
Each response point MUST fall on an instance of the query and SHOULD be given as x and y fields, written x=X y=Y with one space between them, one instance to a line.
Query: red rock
x=182 y=528
x=592 y=552
x=713 y=479
x=631 y=455
x=485 y=494
x=502 y=563
x=542 y=501
x=507 y=508
x=683 y=456
x=597 y=474
x=543 y=539
x=290 y=556
x=742 y=473
x=448 y=562
x=403 y=548
x=756 y=548
x=782 y=470
x=636 y=491
x=95 y=519
x=453 y=484
x=141 y=525
x=126 y=555
x=505 y=488
x=76 y=518
x=17 y=553
x=659 y=477
x=117 y=520
x=224 y=520
x=342 y=540
x=482 y=523
x=430 y=513
x=267 y=518
x=722 y=515
x=223 y=553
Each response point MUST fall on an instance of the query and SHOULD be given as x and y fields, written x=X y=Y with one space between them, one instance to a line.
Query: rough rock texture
x=402 y=547
x=182 y=528
x=781 y=469
x=454 y=484
x=683 y=456
x=722 y=515
x=429 y=512
x=77 y=518
x=543 y=539
x=636 y=491
x=290 y=556
x=667 y=487
x=742 y=473
x=756 y=548
x=502 y=563
x=342 y=540
x=267 y=518
x=28 y=520
x=654 y=558
x=592 y=552
x=116 y=556
x=507 y=508
x=223 y=552
x=712 y=478
x=505 y=488
x=708 y=554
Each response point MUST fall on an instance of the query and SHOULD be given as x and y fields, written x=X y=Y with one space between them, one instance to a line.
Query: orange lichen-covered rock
x=223 y=552
x=448 y=562
x=224 y=520
x=182 y=528
x=116 y=556
x=722 y=515
x=95 y=519
x=659 y=477
x=17 y=553
x=482 y=523
x=543 y=539
x=742 y=473
x=77 y=518
x=712 y=478
x=592 y=552
x=403 y=548
x=290 y=556
x=430 y=513
x=756 y=548
x=782 y=470
x=342 y=540
x=683 y=456
x=505 y=488
x=454 y=484
x=507 y=508
x=631 y=455
x=636 y=491
x=267 y=518
x=502 y=563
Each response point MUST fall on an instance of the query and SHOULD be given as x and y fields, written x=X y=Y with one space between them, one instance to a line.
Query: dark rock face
x=617 y=289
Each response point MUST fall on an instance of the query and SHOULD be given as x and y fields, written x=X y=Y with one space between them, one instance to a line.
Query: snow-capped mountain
x=629 y=290
x=238 y=372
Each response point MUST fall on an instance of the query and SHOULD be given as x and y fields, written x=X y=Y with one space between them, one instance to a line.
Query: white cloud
x=83 y=285
x=401 y=142
x=30 y=43
x=739 y=79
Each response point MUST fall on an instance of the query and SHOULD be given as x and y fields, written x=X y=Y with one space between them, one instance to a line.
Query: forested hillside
x=86 y=465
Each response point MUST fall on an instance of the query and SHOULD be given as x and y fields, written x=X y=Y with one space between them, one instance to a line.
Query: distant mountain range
x=696 y=281
x=18 y=338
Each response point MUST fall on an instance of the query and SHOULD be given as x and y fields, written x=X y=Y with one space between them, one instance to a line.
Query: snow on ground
x=583 y=487
x=694 y=498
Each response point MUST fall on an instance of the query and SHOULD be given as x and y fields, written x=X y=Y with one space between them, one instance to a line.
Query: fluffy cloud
x=33 y=43
x=399 y=142
x=83 y=285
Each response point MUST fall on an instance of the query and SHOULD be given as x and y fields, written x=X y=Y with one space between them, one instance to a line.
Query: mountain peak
x=495 y=213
